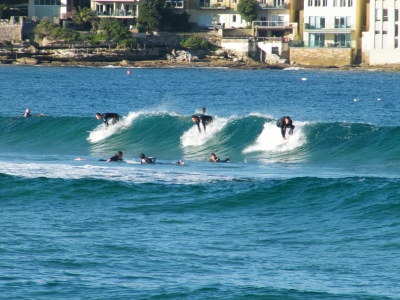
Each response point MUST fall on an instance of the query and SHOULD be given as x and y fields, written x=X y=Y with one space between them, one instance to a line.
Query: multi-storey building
x=54 y=8
x=381 y=38
x=214 y=13
x=334 y=23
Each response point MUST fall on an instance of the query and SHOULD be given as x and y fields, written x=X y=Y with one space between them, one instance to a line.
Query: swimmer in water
x=147 y=160
x=214 y=158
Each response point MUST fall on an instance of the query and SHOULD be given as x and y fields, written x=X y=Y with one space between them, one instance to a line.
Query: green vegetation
x=247 y=9
x=65 y=34
x=155 y=15
x=44 y=28
x=181 y=22
x=194 y=42
x=86 y=18
x=111 y=29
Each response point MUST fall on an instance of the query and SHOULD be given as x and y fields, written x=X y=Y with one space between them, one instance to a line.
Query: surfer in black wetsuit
x=283 y=123
x=214 y=158
x=147 y=160
x=116 y=157
x=205 y=120
x=113 y=116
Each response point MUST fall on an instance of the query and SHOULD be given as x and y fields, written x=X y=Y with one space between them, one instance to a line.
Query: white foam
x=270 y=139
x=100 y=132
x=130 y=173
x=192 y=137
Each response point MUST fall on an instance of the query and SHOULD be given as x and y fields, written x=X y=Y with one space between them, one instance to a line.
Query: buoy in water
x=128 y=72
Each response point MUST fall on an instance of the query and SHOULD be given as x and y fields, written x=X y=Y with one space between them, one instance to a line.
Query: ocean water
x=313 y=217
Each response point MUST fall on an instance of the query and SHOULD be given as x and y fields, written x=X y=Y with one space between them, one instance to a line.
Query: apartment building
x=334 y=23
x=54 y=8
x=381 y=38
x=214 y=13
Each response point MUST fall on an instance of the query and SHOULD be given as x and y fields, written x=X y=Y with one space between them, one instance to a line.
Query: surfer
x=283 y=123
x=116 y=157
x=147 y=160
x=214 y=158
x=113 y=116
x=205 y=120
x=28 y=113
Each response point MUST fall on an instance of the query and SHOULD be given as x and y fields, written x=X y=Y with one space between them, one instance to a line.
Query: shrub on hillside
x=194 y=42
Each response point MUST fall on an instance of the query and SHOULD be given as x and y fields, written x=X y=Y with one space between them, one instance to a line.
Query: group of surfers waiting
x=283 y=123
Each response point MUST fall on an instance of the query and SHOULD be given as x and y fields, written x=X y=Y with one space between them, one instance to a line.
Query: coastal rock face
x=27 y=61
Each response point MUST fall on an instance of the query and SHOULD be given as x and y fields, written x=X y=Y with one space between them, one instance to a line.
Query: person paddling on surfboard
x=113 y=116
x=214 y=158
x=205 y=120
x=283 y=123
x=147 y=160
x=116 y=157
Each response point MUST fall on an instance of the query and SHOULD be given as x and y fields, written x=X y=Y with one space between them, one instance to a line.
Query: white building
x=334 y=23
x=381 y=40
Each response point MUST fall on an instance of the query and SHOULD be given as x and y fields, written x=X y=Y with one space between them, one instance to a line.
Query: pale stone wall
x=321 y=56
x=10 y=30
x=384 y=56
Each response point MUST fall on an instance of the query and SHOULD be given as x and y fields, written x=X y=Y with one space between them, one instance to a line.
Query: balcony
x=117 y=13
x=176 y=4
x=312 y=28
x=271 y=6
x=208 y=4
x=272 y=24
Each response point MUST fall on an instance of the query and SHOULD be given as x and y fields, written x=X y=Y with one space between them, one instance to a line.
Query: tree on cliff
x=155 y=15
x=86 y=18
x=247 y=9
x=113 y=30
x=44 y=28
x=48 y=29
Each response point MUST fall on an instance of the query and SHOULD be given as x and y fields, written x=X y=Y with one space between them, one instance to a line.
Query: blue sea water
x=314 y=217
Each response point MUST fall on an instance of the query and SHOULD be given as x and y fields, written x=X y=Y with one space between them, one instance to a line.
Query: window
x=324 y=2
x=396 y=43
x=377 y=32
x=47 y=2
x=396 y=30
x=317 y=22
x=310 y=2
x=378 y=14
x=385 y=14
x=316 y=40
x=317 y=3
x=350 y=3
x=384 y=32
x=335 y=3
x=342 y=39
x=342 y=22
x=263 y=18
x=396 y=15
x=342 y=3
x=234 y=18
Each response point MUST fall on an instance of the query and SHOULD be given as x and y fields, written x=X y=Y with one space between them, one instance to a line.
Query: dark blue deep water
x=313 y=217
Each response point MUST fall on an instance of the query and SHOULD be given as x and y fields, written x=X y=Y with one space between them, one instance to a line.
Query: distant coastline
x=201 y=63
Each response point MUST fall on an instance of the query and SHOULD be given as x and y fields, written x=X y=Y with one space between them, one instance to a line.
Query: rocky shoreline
x=198 y=63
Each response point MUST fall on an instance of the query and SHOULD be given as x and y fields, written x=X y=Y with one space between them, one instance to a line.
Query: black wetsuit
x=115 y=158
x=205 y=120
x=113 y=116
x=219 y=160
x=282 y=125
